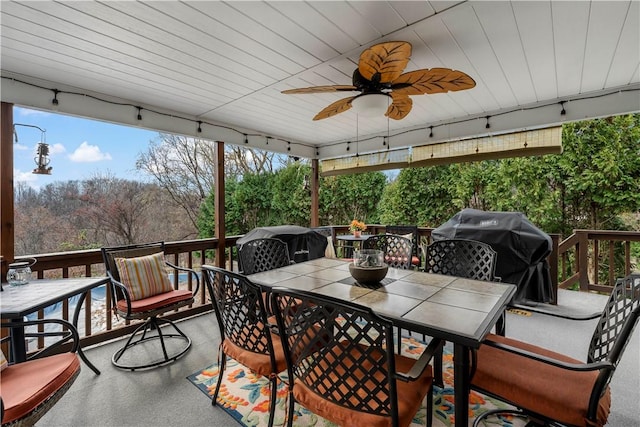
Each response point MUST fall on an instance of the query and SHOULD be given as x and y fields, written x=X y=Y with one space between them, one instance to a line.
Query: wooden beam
x=315 y=199
x=219 y=205
x=7 y=248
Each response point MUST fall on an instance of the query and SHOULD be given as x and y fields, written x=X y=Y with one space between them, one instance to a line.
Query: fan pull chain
x=357 y=135
x=388 y=137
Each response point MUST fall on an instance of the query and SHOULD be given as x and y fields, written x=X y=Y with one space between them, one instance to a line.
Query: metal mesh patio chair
x=462 y=258
x=396 y=249
x=31 y=388
x=325 y=231
x=551 y=388
x=141 y=290
x=244 y=329
x=342 y=365
x=263 y=255
x=410 y=232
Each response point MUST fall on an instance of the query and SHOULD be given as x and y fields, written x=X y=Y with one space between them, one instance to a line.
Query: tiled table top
x=19 y=301
x=456 y=309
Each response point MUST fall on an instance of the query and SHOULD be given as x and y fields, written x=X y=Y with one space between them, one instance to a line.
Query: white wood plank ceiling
x=225 y=63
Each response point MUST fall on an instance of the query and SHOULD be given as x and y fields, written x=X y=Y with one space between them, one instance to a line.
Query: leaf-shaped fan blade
x=337 y=107
x=384 y=62
x=434 y=80
x=400 y=107
x=321 y=89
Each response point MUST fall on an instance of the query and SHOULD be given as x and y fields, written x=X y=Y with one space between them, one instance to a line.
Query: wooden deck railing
x=592 y=260
x=589 y=260
x=89 y=263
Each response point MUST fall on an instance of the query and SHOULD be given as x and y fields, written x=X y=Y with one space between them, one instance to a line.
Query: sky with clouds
x=78 y=148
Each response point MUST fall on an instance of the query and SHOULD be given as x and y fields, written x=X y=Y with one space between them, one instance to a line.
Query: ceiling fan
x=379 y=75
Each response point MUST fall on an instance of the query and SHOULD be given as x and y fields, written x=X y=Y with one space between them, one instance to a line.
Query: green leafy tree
x=471 y=182
x=347 y=197
x=419 y=196
x=590 y=185
x=252 y=200
x=600 y=170
x=291 y=198
x=281 y=198
x=528 y=185
x=206 y=218
x=600 y=175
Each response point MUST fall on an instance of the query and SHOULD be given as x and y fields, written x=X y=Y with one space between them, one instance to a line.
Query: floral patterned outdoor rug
x=245 y=397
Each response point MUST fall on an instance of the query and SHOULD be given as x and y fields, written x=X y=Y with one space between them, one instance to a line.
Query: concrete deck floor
x=164 y=397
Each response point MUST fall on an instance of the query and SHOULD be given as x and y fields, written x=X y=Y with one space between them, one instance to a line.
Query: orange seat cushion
x=410 y=397
x=156 y=301
x=560 y=394
x=257 y=362
x=389 y=259
x=25 y=386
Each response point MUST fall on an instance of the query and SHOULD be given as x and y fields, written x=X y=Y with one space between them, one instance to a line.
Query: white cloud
x=87 y=153
x=28 y=177
x=19 y=147
x=56 y=149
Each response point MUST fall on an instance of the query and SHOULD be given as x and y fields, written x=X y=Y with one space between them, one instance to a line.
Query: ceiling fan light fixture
x=385 y=87
x=371 y=104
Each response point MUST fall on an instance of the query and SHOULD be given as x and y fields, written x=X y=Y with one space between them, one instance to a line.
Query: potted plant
x=357 y=227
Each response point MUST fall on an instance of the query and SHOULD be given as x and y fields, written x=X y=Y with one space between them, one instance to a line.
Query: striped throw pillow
x=144 y=276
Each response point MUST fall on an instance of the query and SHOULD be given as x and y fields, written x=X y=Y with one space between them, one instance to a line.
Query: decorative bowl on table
x=368 y=266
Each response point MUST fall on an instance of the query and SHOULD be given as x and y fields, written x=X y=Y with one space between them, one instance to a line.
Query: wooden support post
x=315 y=198
x=583 y=260
x=7 y=248
x=553 y=266
x=219 y=205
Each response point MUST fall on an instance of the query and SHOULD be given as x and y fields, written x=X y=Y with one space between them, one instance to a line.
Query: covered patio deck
x=164 y=397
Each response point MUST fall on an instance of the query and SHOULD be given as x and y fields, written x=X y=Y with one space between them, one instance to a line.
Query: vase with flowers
x=357 y=227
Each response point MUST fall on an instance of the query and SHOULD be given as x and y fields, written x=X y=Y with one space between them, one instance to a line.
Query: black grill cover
x=522 y=248
x=303 y=243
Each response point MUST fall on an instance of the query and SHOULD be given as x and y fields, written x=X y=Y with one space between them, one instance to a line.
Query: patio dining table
x=349 y=242
x=17 y=302
x=455 y=309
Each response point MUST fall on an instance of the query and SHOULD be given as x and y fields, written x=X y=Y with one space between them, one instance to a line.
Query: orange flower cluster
x=357 y=225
